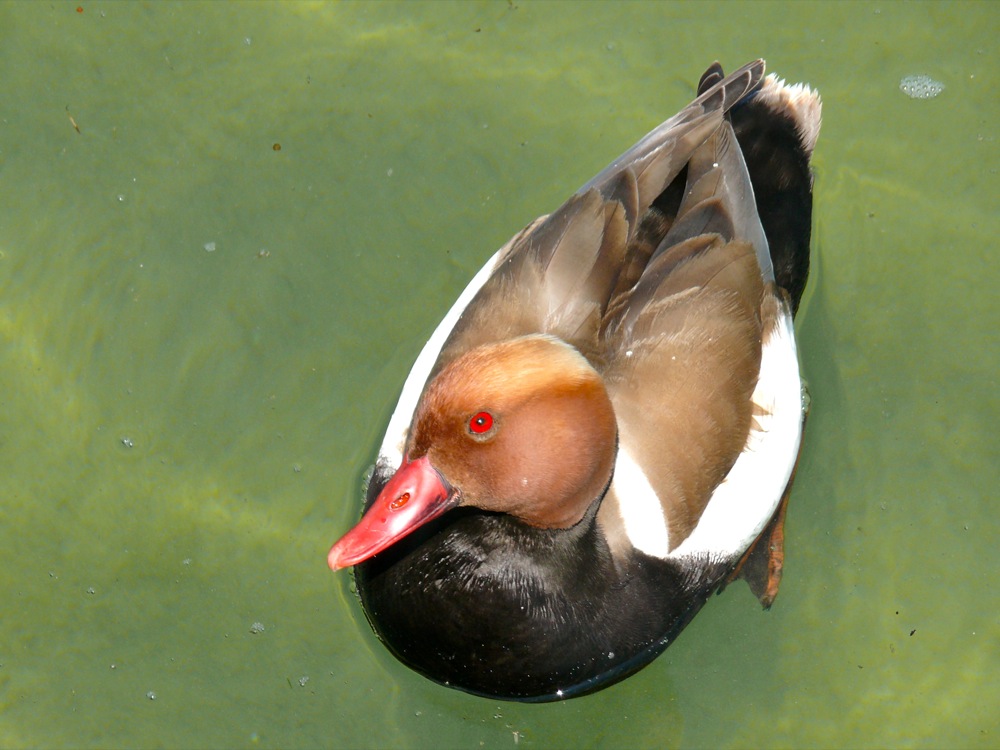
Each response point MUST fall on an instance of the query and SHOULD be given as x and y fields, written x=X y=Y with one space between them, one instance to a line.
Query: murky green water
x=182 y=429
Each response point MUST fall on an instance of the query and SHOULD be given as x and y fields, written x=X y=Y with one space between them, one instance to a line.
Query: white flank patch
x=640 y=507
x=402 y=415
x=746 y=499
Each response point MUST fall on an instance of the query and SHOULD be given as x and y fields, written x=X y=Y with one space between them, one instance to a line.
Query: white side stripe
x=640 y=507
x=402 y=415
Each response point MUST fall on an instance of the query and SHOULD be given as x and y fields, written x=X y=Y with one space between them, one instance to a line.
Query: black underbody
x=483 y=603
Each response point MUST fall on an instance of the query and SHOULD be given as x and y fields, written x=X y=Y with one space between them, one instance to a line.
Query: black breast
x=483 y=603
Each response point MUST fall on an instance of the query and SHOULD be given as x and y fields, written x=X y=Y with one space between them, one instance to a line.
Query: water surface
x=225 y=232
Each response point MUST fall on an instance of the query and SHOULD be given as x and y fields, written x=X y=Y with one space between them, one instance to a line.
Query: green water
x=182 y=430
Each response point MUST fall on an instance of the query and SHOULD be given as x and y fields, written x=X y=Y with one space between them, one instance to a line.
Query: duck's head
x=523 y=427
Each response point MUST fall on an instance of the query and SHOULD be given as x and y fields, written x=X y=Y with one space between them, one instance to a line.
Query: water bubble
x=127 y=442
x=210 y=247
x=920 y=87
x=151 y=695
x=303 y=680
x=257 y=627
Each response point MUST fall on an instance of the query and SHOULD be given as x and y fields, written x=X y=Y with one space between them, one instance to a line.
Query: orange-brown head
x=524 y=427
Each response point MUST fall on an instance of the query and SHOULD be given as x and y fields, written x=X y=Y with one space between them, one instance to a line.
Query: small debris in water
x=303 y=680
x=257 y=627
x=920 y=87
x=151 y=695
x=91 y=590
x=127 y=442
x=210 y=247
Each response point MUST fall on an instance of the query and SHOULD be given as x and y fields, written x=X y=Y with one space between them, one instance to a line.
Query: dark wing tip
x=732 y=88
x=710 y=77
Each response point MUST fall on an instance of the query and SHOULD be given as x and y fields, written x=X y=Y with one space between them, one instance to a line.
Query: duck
x=603 y=430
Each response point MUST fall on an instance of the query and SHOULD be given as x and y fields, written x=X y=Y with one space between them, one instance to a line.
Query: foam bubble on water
x=920 y=87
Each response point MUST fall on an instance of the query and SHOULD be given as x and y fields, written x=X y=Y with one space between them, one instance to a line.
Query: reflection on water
x=183 y=431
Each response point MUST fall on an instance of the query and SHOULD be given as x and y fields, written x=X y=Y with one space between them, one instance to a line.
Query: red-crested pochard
x=604 y=428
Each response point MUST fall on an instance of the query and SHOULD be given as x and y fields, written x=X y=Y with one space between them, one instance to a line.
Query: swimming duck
x=604 y=428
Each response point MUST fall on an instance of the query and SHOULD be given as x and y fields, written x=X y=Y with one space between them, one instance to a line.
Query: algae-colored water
x=211 y=291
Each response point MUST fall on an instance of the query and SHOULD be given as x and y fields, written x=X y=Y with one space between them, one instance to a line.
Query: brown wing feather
x=561 y=273
x=682 y=388
x=685 y=340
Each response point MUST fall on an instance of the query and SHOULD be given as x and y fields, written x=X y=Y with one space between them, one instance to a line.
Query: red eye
x=481 y=423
